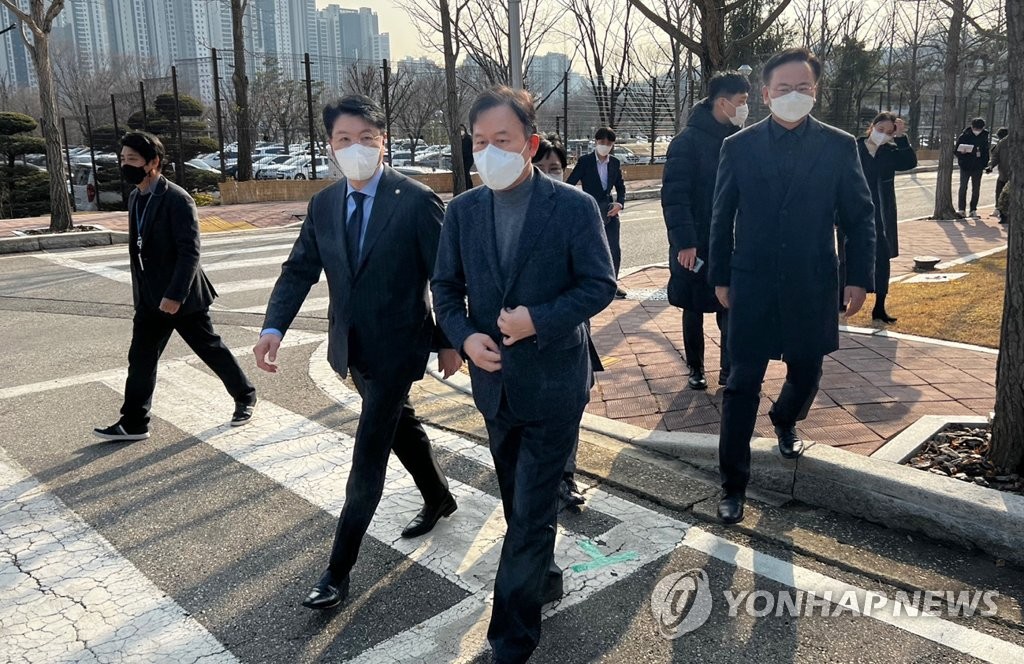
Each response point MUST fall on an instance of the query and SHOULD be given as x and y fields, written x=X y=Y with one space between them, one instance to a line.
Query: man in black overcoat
x=783 y=184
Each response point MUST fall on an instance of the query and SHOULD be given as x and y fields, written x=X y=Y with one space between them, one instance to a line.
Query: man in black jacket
x=374 y=236
x=600 y=172
x=170 y=290
x=972 y=153
x=687 y=198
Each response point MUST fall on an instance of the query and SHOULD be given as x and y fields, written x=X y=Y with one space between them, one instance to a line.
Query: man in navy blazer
x=782 y=186
x=600 y=173
x=374 y=236
x=522 y=265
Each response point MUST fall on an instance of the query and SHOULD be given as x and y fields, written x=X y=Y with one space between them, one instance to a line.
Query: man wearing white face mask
x=600 y=173
x=522 y=265
x=374 y=235
x=687 y=197
x=782 y=186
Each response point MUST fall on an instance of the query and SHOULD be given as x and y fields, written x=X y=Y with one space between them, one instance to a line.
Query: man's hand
x=853 y=298
x=615 y=210
x=265 y=351
x=988 y=170
x=483 y=352
x=901 y=128
x=722 y=293
x=516 y=324
x=687 y=257
x=169 y=306
x=448 y=362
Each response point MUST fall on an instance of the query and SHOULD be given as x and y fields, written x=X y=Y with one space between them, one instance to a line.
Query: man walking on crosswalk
x=170 y=290
x=374 y=235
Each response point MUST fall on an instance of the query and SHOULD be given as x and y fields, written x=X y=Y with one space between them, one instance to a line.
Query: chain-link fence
x=193 y=109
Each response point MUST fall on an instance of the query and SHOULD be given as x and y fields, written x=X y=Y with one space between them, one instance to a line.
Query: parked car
x=625 y=155
x=299 y=169
x=87 y=195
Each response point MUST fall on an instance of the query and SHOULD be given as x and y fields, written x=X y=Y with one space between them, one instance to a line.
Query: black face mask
x=133 y=174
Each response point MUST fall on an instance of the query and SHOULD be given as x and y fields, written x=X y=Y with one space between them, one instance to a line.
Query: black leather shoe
x=428 y=517
x=882 y=317
x=790 y=445
x=554 y=590
x=569 y=493
x=620 y=293
x=327 y=593
x=697 y=380
x=730 y=509
x=723 y=377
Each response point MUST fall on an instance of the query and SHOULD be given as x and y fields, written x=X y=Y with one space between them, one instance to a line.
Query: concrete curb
x=27 y=243
x=880 y=491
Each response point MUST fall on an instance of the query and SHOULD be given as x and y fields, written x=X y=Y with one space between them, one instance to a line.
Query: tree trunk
x=948 y=126
x=1008 y=426
x=459 y=183
x=60 y=205
x=677 y=83
x=241 y=83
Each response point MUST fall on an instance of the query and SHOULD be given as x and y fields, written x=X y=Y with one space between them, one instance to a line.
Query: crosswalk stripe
x=217 y=241
x=122 y=262
x=311 y=305
x=68 y=595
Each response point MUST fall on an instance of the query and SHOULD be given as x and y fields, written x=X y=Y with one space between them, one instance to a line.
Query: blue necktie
x=354 y=230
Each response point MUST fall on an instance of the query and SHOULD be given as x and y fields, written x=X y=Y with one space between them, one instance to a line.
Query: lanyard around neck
x=140 y=221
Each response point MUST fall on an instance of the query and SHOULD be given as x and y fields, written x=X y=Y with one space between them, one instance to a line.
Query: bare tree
x=654 y=58
x=362 y=78
x=711 y=45
x=916 y=59
x=425 y=97
x=36 y=26
x=1007 y=442
x=240 y=83
x=948 y=125
x=480 y=28
x=451 y=105
x=605 y=38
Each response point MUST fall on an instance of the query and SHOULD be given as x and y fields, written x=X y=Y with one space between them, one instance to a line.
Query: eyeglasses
x=366 y=139
x=786 y=89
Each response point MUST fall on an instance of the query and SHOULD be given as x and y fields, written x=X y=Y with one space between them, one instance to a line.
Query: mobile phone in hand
x=697 y=265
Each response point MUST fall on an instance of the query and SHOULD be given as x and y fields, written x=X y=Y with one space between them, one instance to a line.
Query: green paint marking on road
x=600 y=560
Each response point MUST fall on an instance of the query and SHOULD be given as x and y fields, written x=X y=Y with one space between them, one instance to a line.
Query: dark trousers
x=883 y=269
x=151 y=330
x=693 y=339
x=529 y=458
x=1000 y=185
x=974 y=177
x=612 y=228
x=739 y=411
x=387 y=422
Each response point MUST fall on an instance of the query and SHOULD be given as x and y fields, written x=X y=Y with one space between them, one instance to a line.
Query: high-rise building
x=182 y=32
x=545 y=72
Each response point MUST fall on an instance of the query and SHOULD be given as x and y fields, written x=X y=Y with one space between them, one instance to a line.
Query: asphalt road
x=644 y=240
x=199 y=544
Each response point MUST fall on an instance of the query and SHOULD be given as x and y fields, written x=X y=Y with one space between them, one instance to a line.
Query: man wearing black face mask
x=170 y=290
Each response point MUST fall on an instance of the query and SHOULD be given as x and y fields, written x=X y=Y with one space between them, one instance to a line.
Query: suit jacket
x=379 y=314
x=977 y=159
x=167 y=265
x=772 y=241
x=585 y=171
x=562 y=272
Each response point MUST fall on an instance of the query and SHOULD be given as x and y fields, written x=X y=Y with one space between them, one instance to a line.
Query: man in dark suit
x=374 y=235
x=467 y=155
x=600 y=172
x=972 y=155
x=521 y=266
x=170 y=290
x=782 y=185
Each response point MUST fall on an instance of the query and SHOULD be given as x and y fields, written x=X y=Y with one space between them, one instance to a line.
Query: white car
x=299 y=169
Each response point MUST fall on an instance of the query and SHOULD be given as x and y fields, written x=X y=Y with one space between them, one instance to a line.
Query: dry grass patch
x=968 y=310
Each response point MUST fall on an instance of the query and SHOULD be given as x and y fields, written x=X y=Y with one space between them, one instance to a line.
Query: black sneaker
x=119 y=432
x=620 y=293
x=243 y=413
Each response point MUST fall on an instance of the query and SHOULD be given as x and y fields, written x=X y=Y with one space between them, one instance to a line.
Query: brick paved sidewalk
x=871 y=389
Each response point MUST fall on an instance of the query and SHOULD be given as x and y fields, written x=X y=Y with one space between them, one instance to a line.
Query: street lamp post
x=515 y=47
